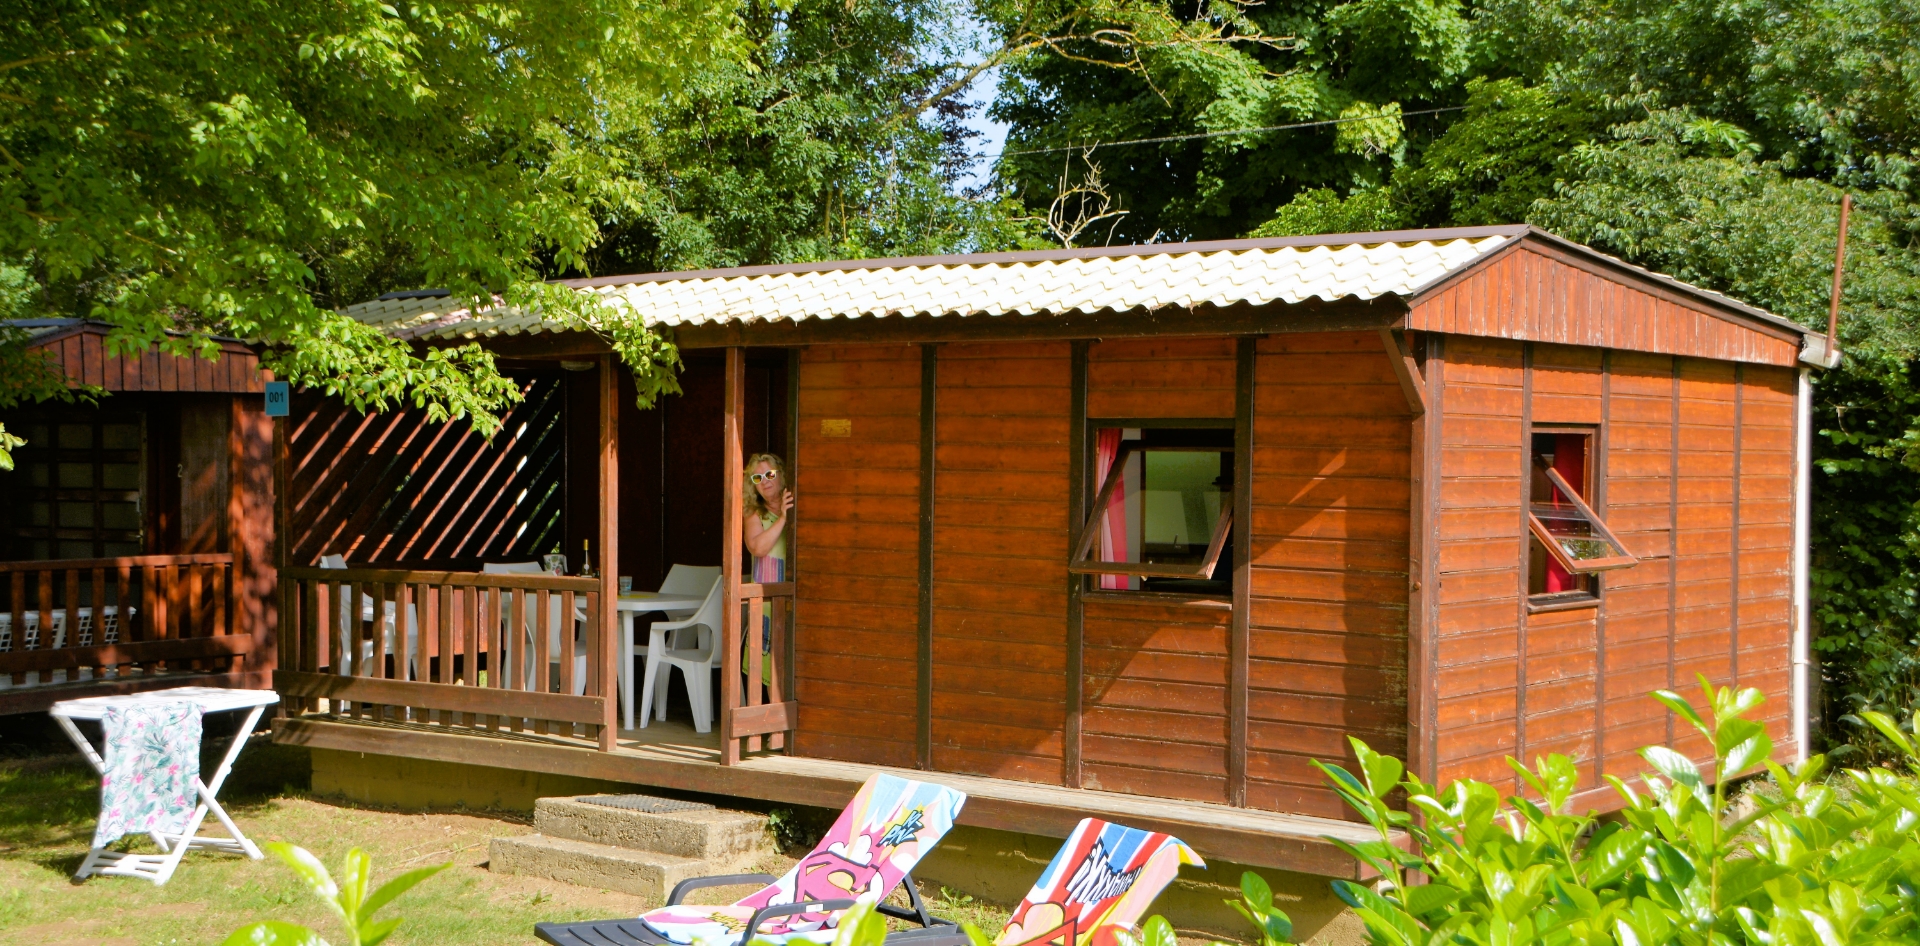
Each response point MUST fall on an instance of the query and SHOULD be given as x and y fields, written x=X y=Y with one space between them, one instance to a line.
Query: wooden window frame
x=1578 y=566
x=1090 y=530
x=1537 y=531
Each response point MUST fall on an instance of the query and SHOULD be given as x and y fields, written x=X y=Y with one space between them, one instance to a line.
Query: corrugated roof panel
x=1114 y=282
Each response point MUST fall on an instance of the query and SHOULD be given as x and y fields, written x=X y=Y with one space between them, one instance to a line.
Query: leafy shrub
x=1818 y=861
x=350 y=900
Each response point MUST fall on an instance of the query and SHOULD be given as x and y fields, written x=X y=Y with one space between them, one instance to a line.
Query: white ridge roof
x=1016 y=284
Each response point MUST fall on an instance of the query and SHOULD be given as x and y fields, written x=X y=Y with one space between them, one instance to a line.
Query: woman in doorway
x=769 y=504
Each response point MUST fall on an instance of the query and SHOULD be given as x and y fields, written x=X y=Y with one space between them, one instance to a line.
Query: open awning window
x=1569 y=530
x=1163 y=509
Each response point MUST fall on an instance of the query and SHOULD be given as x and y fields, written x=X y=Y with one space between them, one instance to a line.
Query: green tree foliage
x=826 y=142
x=1807 y=860
x=1704 y=139
x=186 y=169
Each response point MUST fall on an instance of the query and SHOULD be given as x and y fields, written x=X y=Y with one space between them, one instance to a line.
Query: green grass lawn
x=47 y=809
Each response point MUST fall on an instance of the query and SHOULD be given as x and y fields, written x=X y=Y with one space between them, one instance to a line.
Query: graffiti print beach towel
x=1103 y=880
x=883 y=832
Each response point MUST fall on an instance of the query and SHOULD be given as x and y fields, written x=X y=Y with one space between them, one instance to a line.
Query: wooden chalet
x=1137 y=531
x=136 y=542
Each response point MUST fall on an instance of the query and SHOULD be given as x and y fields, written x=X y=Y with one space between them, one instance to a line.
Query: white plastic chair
x=555 y=645
x=347 y=618
x=681 y=580
x=689 y=580
x=692 y=662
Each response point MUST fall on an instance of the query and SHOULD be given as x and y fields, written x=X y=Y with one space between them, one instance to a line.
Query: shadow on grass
x=48 y=802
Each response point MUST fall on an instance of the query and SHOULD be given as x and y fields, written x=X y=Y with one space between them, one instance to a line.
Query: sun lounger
x=1102 y=880
x=870 y=850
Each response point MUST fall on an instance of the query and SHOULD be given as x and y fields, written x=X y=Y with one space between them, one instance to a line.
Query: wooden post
x=603 y=658
x=1071 y=758
x=923 y=694
x=732 y=540
x=1240 y=637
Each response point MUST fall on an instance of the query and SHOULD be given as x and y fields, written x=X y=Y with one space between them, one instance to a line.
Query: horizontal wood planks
x=1481 y=460
x=1161 y=377
x=1534 y=293
x=1331 y=494
x=1638 y=465
x=83 y=355
x=1155 y=700
x=1000 y=534
x=1695 y=474
x=857 y=475
x=1764 y=644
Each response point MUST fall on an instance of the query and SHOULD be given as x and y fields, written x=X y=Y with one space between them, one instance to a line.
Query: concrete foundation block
x=645 y=874
x=727 y=840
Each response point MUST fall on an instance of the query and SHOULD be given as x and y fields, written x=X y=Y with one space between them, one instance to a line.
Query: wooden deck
x=671 y=755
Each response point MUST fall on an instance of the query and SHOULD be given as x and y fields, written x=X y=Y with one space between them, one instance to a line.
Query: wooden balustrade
x=756 y=699
x=495 y=653
x=119 y=619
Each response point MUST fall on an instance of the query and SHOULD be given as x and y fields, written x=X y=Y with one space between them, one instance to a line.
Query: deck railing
x=486 y=653
x=102 y=619
x=757 y=684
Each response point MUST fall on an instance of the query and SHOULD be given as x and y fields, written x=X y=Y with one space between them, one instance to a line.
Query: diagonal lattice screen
x=392 y=488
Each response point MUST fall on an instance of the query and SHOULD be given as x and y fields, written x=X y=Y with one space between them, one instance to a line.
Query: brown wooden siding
x=1329 y=576
x=1155 y=700
x=83 y=355
x=1481 y=462
x=1161 y=377
x=1638 y=459
x=1533 y=293
x=857 y=476
x=1764 y=646
x=1001 y=458
x=1576 y=682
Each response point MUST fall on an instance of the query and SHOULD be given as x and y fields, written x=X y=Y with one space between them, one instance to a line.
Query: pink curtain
x=1113 y=539
x=1570 y=461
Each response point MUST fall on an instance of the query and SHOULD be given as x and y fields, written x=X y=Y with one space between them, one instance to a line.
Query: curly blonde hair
x=757 y=506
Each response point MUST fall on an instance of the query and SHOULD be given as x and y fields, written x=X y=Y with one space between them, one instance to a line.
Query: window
x=1570 y=544
x=1163 y=511
x=77 y=487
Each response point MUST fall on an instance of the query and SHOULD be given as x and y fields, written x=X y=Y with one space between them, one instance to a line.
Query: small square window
x=1163 y=512
x=1570 y=542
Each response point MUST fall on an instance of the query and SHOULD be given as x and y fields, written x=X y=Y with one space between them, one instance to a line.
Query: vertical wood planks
x=1530 y=293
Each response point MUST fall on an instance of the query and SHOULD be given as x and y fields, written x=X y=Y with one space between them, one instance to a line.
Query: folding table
x=159 y=867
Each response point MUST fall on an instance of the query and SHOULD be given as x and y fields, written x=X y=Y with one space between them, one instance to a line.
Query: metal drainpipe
x=1802 y=534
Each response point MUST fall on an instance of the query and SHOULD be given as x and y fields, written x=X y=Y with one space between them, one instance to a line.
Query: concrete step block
x=727 y=840
x=646 y=874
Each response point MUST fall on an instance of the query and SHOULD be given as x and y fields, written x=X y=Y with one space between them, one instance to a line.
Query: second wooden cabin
x=1174 y=521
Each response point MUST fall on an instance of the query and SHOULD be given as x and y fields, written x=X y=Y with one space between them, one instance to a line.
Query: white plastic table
x=632 y=605
x=159 y=867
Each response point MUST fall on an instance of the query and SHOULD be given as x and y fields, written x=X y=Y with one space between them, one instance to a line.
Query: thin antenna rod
x=1839 y=269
